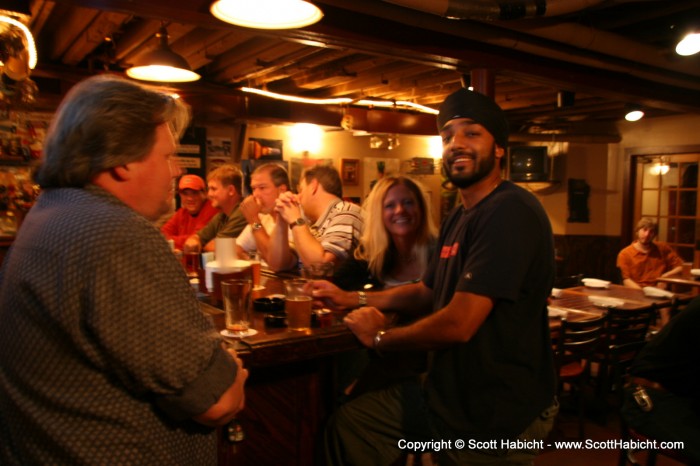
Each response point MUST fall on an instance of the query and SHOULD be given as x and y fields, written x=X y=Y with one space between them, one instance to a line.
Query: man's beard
x=464 y=179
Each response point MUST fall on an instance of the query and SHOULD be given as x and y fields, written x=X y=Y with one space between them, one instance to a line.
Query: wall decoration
x=350 y=171
x=579 y=191
x=218 y=152
x=22 y=136
x=264 y=149
x=374 y=168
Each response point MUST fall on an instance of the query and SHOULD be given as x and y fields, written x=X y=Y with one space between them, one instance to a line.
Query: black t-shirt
x=495 y=385
x=672 y=357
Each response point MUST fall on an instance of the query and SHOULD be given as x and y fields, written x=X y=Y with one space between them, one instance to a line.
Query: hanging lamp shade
x=162 y=64
x=267 y=14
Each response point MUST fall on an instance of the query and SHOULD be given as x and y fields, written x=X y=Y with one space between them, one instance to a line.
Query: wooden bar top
x=271 y=346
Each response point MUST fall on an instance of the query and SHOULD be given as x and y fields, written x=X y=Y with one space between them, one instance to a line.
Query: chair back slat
x=577 y=340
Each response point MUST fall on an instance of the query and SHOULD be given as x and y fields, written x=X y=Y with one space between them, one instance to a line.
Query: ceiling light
x=633 y=113
x=267 y=14
x=660 y=168
x=162 y=64
x=30 y=45
x=343 y=101
x=689 y=45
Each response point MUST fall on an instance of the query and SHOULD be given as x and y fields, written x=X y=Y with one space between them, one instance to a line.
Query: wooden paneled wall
x=589 y=255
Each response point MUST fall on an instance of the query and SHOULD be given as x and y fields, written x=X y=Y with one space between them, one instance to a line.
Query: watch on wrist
x=362 y=298
x=297 y=223
x=256 y=226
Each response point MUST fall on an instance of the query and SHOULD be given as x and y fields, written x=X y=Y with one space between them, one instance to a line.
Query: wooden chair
x=576 y=343
x=625 y=334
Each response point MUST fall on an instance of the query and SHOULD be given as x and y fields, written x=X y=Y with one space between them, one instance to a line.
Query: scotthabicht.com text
x=588 y=444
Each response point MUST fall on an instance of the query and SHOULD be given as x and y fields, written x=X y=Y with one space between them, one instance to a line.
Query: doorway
x=666 y=189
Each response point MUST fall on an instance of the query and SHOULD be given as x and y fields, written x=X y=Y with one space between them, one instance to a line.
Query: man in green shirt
x=224 y=191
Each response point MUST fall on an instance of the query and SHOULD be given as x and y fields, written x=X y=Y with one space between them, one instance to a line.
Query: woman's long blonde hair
x=376 y=245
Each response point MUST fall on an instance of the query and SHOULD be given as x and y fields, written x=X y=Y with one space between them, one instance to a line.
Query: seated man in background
x=92 y=299
x=328 y=229
x=195 y=213
x=662 y=397
x=644 y=261
x=225 y=187
x=267 y=182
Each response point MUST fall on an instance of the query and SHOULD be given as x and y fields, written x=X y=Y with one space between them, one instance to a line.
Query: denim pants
x=380 y=427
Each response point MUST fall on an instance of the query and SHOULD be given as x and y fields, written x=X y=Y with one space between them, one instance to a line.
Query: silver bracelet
x=377 y=340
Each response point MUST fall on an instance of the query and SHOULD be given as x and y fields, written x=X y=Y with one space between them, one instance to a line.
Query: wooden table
x=290 y=390
x=575 y=301
x=682 y=282
x=634 y=298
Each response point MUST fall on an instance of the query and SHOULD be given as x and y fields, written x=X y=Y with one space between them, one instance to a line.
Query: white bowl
x=595 y=283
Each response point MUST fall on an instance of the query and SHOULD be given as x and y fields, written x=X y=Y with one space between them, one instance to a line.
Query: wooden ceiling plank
x=104 y=25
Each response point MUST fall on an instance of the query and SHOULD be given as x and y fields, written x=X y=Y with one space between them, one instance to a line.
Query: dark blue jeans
x=378 y=428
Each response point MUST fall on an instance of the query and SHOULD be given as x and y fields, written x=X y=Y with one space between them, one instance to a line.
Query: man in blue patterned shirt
x=105 y=356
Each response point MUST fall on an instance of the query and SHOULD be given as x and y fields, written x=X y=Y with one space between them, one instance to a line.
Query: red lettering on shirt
x=449 y=251
x=445 y=252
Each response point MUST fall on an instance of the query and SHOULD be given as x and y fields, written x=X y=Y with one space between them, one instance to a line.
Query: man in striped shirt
x=324 y=226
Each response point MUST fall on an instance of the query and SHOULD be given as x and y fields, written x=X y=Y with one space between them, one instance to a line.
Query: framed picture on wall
x=264 y=149
x=350 y=171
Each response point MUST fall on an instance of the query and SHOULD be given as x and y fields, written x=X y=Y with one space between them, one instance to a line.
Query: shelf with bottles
x=22 y=137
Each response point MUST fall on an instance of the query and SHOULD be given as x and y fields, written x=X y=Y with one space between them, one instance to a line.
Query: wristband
x=362 y=298
x=377 y=340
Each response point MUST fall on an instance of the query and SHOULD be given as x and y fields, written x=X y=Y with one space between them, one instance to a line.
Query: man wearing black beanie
x=489 y=395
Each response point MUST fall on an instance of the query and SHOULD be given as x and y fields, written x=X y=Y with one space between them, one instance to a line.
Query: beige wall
x=601 y=165
x=337 y=144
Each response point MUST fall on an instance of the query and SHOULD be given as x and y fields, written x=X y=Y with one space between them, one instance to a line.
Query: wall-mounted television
x=528 y=163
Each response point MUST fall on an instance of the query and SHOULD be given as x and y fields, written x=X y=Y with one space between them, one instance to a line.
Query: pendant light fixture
x=267 y=14
x=162 y=64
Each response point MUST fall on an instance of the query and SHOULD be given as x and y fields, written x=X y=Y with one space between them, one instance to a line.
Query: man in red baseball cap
x=195 y=213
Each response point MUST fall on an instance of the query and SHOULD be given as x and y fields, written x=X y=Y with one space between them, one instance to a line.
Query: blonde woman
x=396 y=244
x=398 y=237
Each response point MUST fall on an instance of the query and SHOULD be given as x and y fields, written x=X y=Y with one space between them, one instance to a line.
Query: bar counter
x=290 y=391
